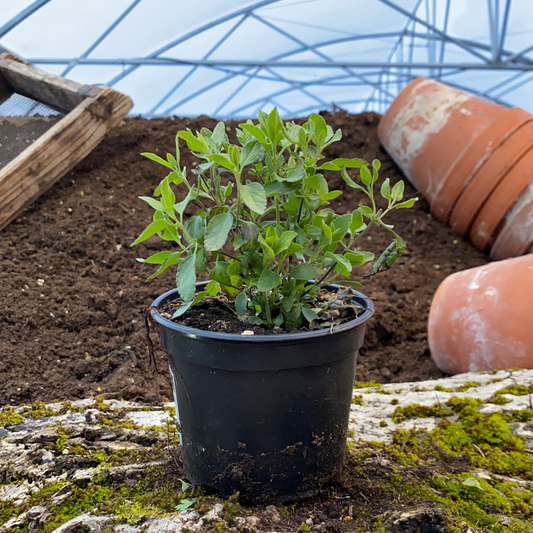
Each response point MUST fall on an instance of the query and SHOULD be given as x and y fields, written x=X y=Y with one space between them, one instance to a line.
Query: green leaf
x=349 y=163
x=250 y=153
x=186 y=278
x=185 y=504
x=306 y=271
x=249 y=231
x=329 y=166
x=217 y=231
x=268 y=253
x=171 y=260
x=407 y=204
x=320 y=128
x=328 y=234
x=349 y=181
x=357 y=221
x=155 y=259
x=201 y=260
x=340 y=227
x=277 y=187
x=212 y=288
x=294 y=175
x=157 y=159
x=181 y=206
x=219 y=273
x=344 y=266
x=153 y=203
x=254 y=196
x=167 y=196
x=330 y=196
x=397 y=191
x=309 y=314
x=284 y=241
x=241 y=304
x=350 y=283
x=152 y=229
x=472 y=482
x=223 y=160
x=267 y=281
x=219 y=134
x=366 y=177
x=359 y=258
x=182 y=309
x=193 y=143
x=376 y=165
x=385 y=189
x=256 y=132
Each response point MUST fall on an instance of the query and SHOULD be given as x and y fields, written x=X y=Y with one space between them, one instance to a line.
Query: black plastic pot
x=265 y=415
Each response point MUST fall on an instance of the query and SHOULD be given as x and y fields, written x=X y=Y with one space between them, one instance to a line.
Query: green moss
x=9 y=418
x=498 y=400
x=367 y=385
x=100 y=404
x=394 y=401
x=231 y=507
x=418 y=411
x=524 y=415
x=357 y=399
x=516 y=390
x=468 y=385
x=304 y=528
x=383 y=424
x=440 y=388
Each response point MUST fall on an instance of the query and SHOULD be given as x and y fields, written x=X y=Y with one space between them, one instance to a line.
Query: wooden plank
x=5 y=89
x=66 y=143
x=52 y=90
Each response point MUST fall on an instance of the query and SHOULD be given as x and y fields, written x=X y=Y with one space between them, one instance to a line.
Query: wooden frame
x=91 y=111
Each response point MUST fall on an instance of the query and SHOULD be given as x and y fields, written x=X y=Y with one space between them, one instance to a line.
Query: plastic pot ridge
x=265 y=415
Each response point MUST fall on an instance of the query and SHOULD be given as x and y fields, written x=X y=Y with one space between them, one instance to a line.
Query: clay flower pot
x=516 y=236
x=489 y=175
x=430 y=126
x=500 y=202
x=480 y=319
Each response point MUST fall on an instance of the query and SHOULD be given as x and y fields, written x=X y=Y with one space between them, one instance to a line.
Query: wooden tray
x=85 y=114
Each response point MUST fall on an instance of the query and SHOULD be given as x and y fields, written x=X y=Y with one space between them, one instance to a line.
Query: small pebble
x=436 y=267
x=118 y=247
x=455 y=241
x=40 y=282
x=248 y=333
x=309 y=521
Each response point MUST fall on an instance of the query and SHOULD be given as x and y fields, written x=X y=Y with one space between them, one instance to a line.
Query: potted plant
x=263 y=354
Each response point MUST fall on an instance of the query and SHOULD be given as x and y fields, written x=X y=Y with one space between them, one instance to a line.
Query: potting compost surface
x=72 y=295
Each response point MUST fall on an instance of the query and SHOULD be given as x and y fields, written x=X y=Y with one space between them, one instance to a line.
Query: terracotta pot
x=463 y=171
x=500 y=202
x=480 y=318
x=516 y=236
x=429 y=127
x=488 y=177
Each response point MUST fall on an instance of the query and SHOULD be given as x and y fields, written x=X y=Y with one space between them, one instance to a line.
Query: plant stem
x=267 y=309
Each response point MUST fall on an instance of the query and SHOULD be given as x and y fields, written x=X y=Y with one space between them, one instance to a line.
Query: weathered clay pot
x=463 y=177
x=428 y=129
x=480 y=318
x=493 y=212
x=488 y=176
x=516 y=235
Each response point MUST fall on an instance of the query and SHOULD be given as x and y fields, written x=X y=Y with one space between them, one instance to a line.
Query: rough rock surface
x=48 y=453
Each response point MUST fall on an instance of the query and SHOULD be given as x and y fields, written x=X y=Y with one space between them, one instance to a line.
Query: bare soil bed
x=72 y=295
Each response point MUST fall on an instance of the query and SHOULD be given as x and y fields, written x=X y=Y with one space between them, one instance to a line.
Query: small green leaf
x=357 y=221
x=340 y=227
x=193 y=143
x=182 y=309
x=359 y=258
x=376 y=165
x=171 y=260
x=385 y=189
x=152 y=229
x=309 y=314
x=344 y=266
x=153 y=203
x=217 y=231
x=254 y=196
x=157 y=159
x=155 y=259
x=329 y=166
x=250 y=153
x=366 y=177
x=350 y=283
x=397 y=191
x=223 y=160
x=349 y=181
x=219 y=273
x=241 y=304
x=284 y=241
x=407 y=204
x=186 y=278
x=472 y=482
x=349 y=163
x=185 y=504
x=306 y=271
x=267 y=281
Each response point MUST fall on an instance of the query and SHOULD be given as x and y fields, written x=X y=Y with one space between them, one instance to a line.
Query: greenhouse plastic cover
x=226 y=58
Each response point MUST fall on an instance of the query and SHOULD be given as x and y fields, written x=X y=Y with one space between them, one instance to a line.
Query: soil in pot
x=85 y=335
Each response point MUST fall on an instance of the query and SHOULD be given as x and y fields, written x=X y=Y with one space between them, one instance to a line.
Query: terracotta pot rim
x=475 y=155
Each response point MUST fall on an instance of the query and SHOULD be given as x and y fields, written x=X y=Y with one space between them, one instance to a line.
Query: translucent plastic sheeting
x=229 y=58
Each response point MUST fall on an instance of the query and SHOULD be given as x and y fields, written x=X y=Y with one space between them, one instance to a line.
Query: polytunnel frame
x=392 y=74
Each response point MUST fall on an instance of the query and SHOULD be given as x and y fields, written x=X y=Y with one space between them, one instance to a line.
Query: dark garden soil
x=72 y=295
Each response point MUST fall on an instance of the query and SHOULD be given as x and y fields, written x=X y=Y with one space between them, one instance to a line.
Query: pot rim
x=283 y=337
